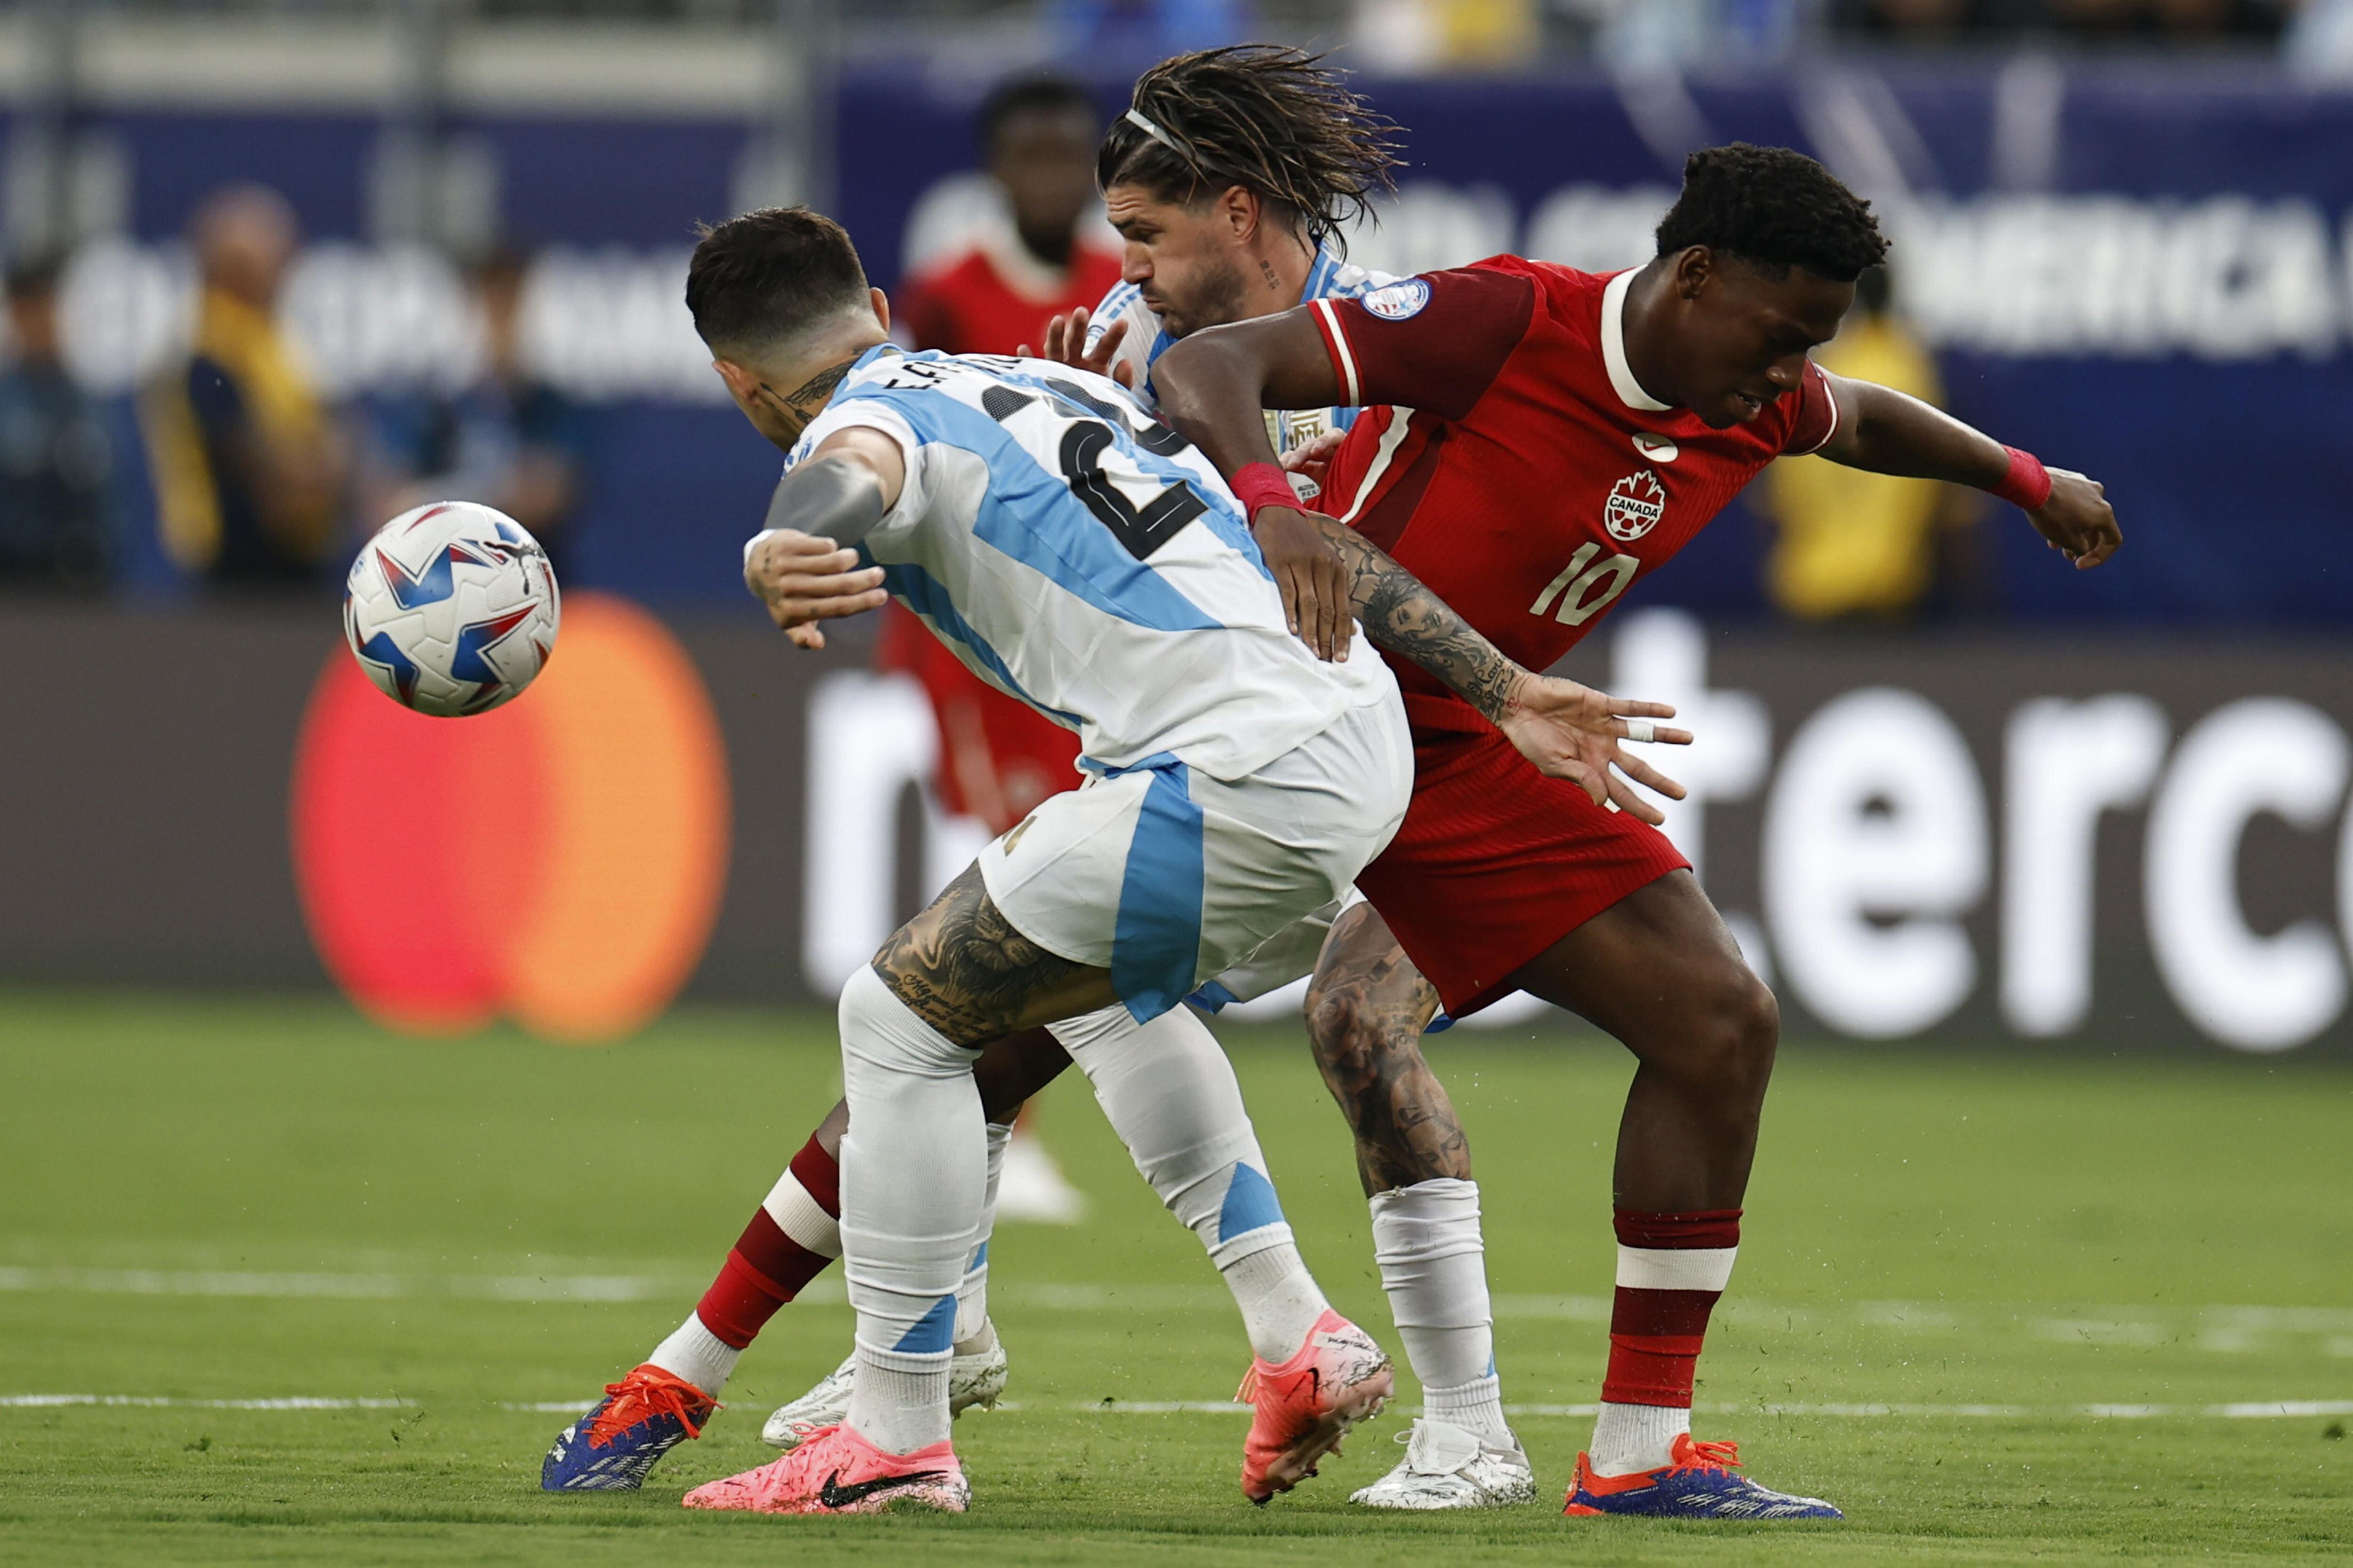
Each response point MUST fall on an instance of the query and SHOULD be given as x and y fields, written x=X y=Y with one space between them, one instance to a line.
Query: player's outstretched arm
x=802 y=565
x=1568 y=730
x=1212 y=386
x=1887 y=432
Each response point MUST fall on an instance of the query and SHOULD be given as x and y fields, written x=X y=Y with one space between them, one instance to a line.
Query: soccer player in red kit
x=1554 y=436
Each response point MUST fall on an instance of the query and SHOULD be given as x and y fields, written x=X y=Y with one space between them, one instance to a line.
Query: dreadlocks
x=1271 y=120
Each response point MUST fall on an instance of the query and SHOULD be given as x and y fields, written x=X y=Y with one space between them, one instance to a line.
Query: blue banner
x=2141 y=272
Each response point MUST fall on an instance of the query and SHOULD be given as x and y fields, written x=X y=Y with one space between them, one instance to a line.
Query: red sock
x=791 y=1240
x=1670 y=1269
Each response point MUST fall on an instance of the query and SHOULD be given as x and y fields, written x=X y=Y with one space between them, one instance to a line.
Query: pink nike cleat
x=1306 y=1405
x=837 y=1471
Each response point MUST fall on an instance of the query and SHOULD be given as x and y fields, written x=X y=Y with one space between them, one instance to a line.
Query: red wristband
x=1257 y=485
x=2027 y=485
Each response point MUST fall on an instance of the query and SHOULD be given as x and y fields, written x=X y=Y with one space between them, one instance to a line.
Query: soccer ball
x=451 y=608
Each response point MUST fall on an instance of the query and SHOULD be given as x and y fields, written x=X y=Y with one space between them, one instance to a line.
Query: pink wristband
x=2027 y=485
x=1257 y=485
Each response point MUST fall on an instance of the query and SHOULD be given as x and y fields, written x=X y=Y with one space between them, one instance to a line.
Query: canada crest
x=1635 y=505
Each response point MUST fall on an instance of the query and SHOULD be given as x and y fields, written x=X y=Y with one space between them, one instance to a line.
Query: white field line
x=2217 y=1328
x=52 y=1401
x=349 y=1287
x=2243 y=1410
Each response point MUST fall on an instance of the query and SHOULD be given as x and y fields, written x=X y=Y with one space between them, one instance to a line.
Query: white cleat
x=1448 y=1466
x=976 y=1379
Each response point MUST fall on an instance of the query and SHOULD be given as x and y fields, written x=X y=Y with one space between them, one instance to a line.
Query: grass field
x=2001 y=1308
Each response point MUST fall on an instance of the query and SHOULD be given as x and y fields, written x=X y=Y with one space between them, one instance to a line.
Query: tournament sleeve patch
x=1397 y=302
x=1435 y=342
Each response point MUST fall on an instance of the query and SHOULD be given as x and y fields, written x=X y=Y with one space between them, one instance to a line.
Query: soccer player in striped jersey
x=1229 y=177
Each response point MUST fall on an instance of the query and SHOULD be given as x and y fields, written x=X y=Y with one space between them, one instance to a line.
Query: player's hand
x=803 y=579
x=1572 y=732
x=1315 y=459
x=2077 y=521
x=1066 y=343
x=1312 y=578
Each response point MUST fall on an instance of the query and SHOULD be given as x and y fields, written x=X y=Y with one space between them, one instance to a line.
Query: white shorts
x=1165 y=876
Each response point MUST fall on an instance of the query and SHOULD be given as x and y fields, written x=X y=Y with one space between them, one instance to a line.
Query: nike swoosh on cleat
x=833 y=1494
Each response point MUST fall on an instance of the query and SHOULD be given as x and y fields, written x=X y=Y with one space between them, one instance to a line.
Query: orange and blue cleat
x=1697 y=1483
x=835 y=1470
x=640 y=1418
x=1306 y=1405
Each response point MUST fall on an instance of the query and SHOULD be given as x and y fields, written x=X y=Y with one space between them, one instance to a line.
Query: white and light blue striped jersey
x=1080 y=555
x=1329 y=279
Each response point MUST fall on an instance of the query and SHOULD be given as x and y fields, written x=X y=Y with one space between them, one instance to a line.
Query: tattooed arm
x=1567 y=731
x=1211 y=387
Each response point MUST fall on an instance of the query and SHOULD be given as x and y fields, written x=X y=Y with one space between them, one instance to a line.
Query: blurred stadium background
x=2071 y=833
x=1942 y=783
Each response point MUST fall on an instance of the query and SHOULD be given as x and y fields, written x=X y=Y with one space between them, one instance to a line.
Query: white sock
x=914 y=1183
x=900 y=1400
x=1475 y=1406
x=974 y=1334
x=696 y=1354
x=1279 y=1299
x=1433 y=1265
x=1630 y=1437
x=1170 y=1094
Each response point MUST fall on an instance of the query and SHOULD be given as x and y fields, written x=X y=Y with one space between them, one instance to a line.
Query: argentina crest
x=1635 y=505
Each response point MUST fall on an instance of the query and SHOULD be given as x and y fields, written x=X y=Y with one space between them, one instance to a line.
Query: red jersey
x=994 y=298
x=1523 y=474
x=1520 y=470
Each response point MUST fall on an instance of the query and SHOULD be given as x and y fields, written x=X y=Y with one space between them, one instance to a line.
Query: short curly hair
x=1774 y=209
x=1273 y=120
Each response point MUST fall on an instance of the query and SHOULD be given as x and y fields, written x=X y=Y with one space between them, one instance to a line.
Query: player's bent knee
x=881 y=1032
x=1744 y=1031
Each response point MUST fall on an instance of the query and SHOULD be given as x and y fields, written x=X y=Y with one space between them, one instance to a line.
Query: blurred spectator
x=247 y=461
x=1422 y=35
x=2319 y=40
x=54 y=458
x=1856 y=545
x=999 y=758
x=994 y=295
x=510 y=440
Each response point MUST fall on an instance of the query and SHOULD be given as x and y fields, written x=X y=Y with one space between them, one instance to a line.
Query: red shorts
x=1495 y=862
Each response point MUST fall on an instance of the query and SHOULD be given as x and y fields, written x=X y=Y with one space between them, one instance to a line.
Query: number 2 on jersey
x=1142 y=529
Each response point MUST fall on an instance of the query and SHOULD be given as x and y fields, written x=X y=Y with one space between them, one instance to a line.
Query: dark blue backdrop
x=2233 y=480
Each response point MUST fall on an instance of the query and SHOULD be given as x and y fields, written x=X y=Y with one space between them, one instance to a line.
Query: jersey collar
x=1613 y=347
x=879 y=351
x=1320 y=275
